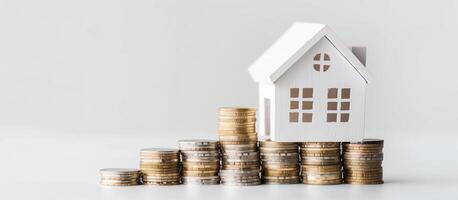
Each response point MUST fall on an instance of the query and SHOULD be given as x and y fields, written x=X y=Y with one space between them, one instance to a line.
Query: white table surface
x=54 y=165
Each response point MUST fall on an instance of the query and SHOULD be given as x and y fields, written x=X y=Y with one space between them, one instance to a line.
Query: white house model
x=311 y=87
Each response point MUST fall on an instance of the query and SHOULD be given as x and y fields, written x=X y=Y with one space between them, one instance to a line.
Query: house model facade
x=311 y=87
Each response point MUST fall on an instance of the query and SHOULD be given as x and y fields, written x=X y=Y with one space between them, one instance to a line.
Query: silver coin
x=241 y=184
x=119 y=171
x=159 y=150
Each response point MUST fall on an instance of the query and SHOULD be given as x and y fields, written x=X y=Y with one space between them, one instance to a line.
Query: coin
x=119 y=177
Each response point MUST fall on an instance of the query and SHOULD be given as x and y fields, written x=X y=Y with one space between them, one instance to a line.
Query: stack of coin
x=238 y=139
x=321 y=163
x=363 y=161
x=280 y=162
x=160 y=166
x=200 y=161
x=119 y=177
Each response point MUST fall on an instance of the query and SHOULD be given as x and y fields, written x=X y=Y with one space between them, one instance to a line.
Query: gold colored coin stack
x=280 y=162
x=160 y=166
x=200 y=161
x=238 y=139
x=363 y=162
x=321 y=163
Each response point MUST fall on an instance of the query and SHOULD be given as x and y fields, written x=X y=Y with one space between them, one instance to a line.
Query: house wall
x=302 y=75
x=266 y=91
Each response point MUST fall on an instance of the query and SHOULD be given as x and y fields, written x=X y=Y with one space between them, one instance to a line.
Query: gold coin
x=161 y=182
x=273 y=172
x=328 y=168
x=322 y=182
x=320 y=145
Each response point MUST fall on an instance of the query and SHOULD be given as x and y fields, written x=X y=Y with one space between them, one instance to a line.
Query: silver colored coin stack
x=238 y=138
x=119 y=177
x=201 y=161
x=280 y=162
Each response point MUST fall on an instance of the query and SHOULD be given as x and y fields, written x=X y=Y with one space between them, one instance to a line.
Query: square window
x=344 y=117
x=293 y=117
x=345 y=93
x=307 y=92
x=307 y=117
x=307 y=105
x=294 y=92
x=332 y=93
x=332 y=105
x=344 y=105
x=294 y=105
x=331 y=117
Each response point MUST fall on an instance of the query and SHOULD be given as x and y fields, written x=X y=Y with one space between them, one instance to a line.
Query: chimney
x=360 y=53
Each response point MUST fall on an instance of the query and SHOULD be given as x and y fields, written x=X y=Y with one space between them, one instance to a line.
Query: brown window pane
x=345 y=106
x=345 y=93
x=307 y=92
x=332 y=105
x=326 y=57
x=332 y=93
x=316 y=67
x=294 y=92
x=293 y=117
x=307 y=105
x=344 y=117
x=294 y=105
x=331 y=117
x=317 y=57
x=326 y=67
x=307 y=117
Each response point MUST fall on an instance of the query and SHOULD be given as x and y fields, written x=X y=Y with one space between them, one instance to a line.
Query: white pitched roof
x=292 y=45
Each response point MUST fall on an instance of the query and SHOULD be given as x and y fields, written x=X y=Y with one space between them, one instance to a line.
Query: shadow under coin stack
x=238 y=139
x=363 y=162
x=119 y=177
x=200 y=161
x=321 y=163
x=280 y=162
x=160 y=166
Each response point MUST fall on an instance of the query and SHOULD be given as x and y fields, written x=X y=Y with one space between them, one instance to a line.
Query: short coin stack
x=160 y=166
x=363 y=161
x=280 y=162
x=200 y=161
x=238 y=139
x=119 y=177
x=321 y=163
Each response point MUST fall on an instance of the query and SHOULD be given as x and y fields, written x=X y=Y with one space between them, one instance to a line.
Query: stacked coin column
x=160 y=166
x=321 y=163
x=280 y=162
x=200 y=160
x=119 y=177
x=363 y=162
x=238 y=139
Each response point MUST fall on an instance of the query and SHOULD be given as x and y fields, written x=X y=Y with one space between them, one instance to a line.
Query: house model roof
x=292 y=45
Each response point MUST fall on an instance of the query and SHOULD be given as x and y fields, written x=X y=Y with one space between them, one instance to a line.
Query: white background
x=84 y=84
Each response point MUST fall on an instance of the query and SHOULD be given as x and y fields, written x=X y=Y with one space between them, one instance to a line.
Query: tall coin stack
x=200 y=161
x=321 y=163
x=160 y=166
x=280 y=162
x=238 y=139
x=119 y=177
x=363 y=161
